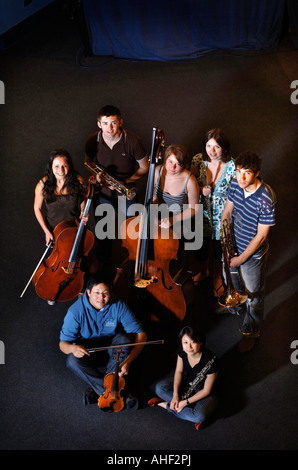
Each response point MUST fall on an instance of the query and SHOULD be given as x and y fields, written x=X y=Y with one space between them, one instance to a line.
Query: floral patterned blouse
x=218 y=195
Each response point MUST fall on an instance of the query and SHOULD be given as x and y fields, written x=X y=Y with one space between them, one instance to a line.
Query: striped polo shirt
x=249 y=211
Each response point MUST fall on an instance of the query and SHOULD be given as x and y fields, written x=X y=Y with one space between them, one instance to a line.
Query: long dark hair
x=222 y=140
x=71 y=182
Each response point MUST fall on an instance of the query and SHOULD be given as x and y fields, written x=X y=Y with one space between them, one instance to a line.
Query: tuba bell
x=232 y=297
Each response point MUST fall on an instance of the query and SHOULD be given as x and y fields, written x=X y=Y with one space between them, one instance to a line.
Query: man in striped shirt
x=251 y=209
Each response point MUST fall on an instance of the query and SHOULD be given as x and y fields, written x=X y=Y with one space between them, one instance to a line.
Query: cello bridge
x=68 y=270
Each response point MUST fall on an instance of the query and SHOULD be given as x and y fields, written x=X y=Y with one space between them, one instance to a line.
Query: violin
x=111 y=400
x=60 y=277
x=154 y=250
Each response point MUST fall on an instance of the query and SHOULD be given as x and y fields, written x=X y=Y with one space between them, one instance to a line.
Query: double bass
x=59 y=278
x=154 y=250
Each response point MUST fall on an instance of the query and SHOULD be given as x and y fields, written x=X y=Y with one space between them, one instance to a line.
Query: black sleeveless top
x=64 y=207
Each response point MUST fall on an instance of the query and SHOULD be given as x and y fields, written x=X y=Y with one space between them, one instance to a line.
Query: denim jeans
x=196 y=412
x=252 y=278
x=92 y=369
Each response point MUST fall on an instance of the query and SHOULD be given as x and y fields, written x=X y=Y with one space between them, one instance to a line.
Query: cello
x=155 y=251
x=59 y=278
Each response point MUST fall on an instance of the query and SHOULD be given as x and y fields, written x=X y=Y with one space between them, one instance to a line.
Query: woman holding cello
x=60 y=194
x=60 y=200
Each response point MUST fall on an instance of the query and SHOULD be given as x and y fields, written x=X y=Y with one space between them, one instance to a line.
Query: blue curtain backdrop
x=185 y=29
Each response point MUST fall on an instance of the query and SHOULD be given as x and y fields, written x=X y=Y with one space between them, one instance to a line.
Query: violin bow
x=158 y=341
x=39 y=263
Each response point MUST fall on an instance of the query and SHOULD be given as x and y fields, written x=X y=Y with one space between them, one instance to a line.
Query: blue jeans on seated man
x=92 y=369
x=251 y=279
x=196 y=413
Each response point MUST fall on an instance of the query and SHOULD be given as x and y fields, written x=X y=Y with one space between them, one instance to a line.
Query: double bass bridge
x=143 y=283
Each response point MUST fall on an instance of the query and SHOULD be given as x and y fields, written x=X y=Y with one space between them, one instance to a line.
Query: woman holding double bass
x=154 y=252
x=175 y=186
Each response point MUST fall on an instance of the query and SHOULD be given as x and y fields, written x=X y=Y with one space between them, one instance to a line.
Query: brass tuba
x=129 y=193
x=232 y=297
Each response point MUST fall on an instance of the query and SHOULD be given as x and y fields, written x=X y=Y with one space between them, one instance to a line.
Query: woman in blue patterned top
x=214 y=170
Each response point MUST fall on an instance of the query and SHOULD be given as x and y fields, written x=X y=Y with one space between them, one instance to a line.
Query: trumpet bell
x=233 y=299
x=130 y=193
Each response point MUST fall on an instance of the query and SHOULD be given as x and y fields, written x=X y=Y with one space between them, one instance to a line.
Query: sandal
x=198 y=426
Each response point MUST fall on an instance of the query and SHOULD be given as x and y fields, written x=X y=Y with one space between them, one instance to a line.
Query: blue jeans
x=92 y=369
x=197 y=412
x=252 y=278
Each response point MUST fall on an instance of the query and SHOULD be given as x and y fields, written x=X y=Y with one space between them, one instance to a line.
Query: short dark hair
x=249 y=161
x=194 y=333
x=98 y=279
x=109 y=110
x=180 y=153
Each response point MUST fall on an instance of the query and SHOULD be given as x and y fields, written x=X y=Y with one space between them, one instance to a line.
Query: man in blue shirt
x=99 y=319
x=251 y=208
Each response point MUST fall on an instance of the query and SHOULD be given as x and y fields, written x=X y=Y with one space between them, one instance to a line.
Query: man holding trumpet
x=122 y=156
x=119 y=151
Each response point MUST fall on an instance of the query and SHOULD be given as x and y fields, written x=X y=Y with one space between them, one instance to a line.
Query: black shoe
x=90 y=397
x=131 y=403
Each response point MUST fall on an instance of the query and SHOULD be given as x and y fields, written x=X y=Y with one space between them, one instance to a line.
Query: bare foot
x=163 y=404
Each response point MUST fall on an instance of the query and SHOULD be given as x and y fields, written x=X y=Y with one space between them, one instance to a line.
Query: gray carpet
x=52 y=96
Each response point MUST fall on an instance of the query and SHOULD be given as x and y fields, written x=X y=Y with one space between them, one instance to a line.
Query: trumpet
x=129 y=193
x=232 y=297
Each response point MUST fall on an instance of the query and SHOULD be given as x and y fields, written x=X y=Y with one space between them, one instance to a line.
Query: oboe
x=208 y=199
x=198 y=379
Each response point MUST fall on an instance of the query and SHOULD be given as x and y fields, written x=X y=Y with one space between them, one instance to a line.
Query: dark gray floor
x=52 y=101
